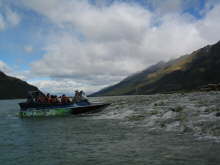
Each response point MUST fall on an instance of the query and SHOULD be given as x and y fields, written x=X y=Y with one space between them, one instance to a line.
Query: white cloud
x=108 y=43
x=209 y=28
x=4 y=67
x=8 y=17
x=12 y=17
x=28 y=48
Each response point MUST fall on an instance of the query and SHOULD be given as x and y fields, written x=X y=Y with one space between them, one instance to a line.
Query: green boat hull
x=45 y=112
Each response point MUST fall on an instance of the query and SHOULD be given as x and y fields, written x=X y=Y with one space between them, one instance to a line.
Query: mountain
x=187 y=73
x=12 y=88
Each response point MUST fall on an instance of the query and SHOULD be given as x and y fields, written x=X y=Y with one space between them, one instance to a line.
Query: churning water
x=158 y=129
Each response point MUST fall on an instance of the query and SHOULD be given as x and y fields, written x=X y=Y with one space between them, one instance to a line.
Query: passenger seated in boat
x=70 y=99
x=53 y=99
x=59 y=99
x=64 y=99
x=56 y=99
x=80 y=97
x=77 y=96
x=83 y=96
x=41 y=99
x=48 y=98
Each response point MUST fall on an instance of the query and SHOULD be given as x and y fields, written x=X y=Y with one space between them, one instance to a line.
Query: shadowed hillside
x=11 y=87
x=186 y=73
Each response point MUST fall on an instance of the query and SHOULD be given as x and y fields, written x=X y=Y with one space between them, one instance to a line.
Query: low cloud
x=64 y=86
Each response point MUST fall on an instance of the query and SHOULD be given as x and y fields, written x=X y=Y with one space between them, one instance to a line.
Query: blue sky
x=60 y=45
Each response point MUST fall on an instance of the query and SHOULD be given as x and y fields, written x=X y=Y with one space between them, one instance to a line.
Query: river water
x=172 y=129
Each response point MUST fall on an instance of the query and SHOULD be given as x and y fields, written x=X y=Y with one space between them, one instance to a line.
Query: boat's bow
x=91 y=108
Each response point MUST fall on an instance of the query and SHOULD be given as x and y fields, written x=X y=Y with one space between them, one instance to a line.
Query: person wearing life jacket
x=53 y=99
x=64 y=99
x=77 y=97
x=48 y=99
x=56 y=99
x=40 y=99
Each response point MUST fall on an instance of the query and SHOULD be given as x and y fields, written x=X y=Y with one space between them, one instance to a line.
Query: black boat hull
x=93 y=108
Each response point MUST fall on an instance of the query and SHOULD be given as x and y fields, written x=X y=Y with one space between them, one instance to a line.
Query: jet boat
x=35 y=109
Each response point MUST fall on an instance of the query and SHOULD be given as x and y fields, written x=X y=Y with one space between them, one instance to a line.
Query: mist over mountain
x=187 y=73
x=13 y=88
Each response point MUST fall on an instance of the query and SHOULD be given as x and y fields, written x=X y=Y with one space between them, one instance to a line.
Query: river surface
x=172 y=129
